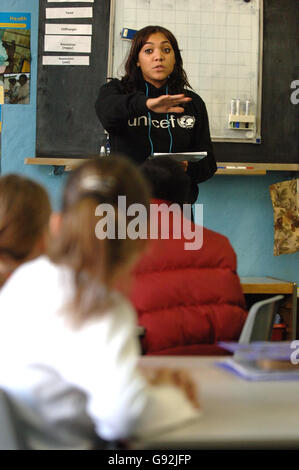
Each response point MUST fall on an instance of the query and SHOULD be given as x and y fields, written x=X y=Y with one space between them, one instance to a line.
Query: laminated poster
x=15 y=57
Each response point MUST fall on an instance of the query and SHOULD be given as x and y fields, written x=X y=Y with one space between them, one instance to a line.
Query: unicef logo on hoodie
x=187 y=122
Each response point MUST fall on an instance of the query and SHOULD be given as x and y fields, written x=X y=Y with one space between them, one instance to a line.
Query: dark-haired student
x=186 y=299
x=152 y=109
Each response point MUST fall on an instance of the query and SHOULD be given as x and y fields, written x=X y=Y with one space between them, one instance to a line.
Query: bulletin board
x=67 y=125
x=220 y=46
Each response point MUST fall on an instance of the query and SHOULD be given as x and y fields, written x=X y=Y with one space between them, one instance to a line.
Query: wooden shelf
x=241 y=172
x=266 y=285
x=68 y=163
x=258 y=168
x=264 y=166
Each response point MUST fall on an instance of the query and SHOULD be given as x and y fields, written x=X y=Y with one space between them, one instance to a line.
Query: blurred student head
x=167 y=178
x=87 y=238
x=24 y=217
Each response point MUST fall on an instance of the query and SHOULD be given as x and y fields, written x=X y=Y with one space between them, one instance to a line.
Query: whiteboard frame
x=259 y=78
x=111 y=41
x=259 y=87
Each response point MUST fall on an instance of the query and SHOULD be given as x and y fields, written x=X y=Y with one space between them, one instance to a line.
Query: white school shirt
x=72 y=385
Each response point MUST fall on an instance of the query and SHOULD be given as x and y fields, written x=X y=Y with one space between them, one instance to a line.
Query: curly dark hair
x=167 y=179
x=133 y=78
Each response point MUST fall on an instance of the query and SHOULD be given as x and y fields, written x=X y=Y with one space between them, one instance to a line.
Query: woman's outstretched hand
x=167 y=103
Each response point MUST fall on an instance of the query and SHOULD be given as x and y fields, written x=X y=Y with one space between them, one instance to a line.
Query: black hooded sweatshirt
x=137 y=132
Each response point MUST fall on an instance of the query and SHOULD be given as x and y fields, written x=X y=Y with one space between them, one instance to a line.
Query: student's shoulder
x=118 y=320
x=217 y=240
x=33 y=273
x=123 y=307
x=217 y=251
x=41 y=264
x=33 y=284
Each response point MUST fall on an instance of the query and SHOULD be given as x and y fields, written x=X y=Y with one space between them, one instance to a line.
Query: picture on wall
x=15 y=57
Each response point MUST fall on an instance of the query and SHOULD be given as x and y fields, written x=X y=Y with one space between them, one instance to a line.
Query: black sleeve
x=204 y=169
x=114 y=106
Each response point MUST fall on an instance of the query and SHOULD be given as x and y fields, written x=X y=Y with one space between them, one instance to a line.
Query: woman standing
x=151 y=108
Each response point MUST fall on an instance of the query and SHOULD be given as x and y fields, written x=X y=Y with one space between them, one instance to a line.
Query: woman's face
x=156 y=59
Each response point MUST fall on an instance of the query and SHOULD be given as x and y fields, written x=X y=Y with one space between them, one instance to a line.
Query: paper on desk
x=279 y=350
x=250 y=371
x=247 y=357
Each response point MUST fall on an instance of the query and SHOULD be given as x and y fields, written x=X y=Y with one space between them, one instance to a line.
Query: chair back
x=260 y=319
x=9 y=430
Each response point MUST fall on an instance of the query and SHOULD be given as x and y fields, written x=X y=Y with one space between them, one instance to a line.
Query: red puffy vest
x=188 y=300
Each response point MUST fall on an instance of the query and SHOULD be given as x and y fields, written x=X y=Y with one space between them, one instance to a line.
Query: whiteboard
x=220 y=43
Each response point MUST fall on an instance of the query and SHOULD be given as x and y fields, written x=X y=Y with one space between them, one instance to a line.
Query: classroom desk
x=258 y=288
x=235 y=413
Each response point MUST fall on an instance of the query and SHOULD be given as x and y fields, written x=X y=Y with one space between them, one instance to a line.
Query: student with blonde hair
x=24 y=217
x=69 y=335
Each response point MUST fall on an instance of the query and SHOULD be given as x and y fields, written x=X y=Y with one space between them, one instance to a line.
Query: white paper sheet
x=68 y=28
x=65 y=60
x=69 y=12
x=67 y=43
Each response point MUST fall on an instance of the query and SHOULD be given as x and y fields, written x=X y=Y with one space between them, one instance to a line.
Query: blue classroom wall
x=19 y=121
x=237 y=206
x=240 y=207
